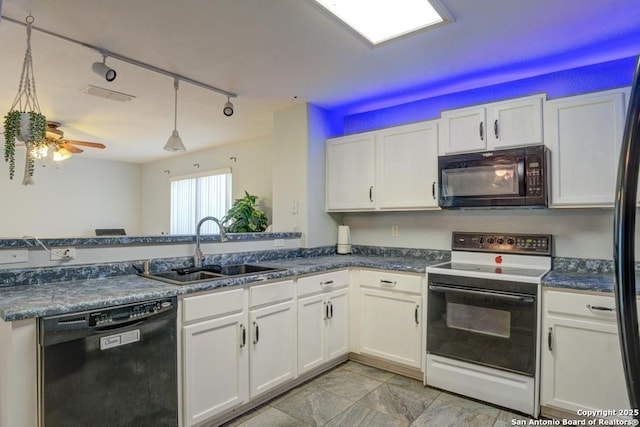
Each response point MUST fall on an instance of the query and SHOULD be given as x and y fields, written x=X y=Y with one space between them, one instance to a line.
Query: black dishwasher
x=113 y=367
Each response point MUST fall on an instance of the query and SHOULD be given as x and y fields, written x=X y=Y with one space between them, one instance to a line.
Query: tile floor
x=353 y=395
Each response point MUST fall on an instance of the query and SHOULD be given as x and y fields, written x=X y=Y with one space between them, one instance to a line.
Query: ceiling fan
x=56 y=137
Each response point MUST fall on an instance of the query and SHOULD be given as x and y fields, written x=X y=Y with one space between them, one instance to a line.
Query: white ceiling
x=273 y=53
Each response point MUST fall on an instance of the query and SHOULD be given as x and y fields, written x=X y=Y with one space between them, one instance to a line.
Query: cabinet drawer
x=323 y=282
x=392 y=281
x=596 y=307
x=271 y=293
x=212 y=305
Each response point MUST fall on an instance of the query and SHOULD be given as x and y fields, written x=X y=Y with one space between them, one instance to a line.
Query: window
x=198 y=195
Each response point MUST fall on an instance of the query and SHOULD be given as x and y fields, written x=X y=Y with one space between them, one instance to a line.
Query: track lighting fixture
x=174 y=143
x=228 y=108
x=103 y=70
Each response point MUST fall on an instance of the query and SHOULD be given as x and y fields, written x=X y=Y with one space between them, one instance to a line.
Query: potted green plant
x=245 y=216
x=24 y=121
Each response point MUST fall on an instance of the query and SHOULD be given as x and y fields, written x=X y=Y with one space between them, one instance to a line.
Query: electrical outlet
x=61 y=254
x=394 y=230
x=10 y=256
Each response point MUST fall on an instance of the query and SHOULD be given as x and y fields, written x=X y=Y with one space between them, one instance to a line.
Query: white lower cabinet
x=272 y=334
x=215 y=354
x=323 y=318
x=390 y=317
x=581 y=362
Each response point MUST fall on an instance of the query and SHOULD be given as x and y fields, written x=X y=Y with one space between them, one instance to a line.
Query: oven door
x=472 y=180
x=477 y=324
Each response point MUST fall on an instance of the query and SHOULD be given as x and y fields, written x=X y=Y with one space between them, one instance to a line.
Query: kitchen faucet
x=197 y=257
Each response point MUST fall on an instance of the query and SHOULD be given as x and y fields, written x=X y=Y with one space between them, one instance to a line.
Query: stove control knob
x=490 y=240
x=510 y=241
x=500 y=240
x=481 y=240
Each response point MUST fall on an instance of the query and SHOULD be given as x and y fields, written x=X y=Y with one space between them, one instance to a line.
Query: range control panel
x=529 y=244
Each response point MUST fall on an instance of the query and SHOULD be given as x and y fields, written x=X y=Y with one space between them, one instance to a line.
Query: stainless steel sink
x=242 y=269
x=186 y=276
x=178 y=278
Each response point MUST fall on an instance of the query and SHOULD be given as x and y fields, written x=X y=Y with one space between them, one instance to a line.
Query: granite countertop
x=587 y=275
x=46 y=299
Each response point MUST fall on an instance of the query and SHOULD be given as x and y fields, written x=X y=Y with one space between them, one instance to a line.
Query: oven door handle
x=519 y=298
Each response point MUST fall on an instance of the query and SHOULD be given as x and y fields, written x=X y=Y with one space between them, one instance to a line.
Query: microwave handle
x=522 y=177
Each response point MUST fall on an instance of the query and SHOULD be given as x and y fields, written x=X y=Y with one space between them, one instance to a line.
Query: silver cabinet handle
x=330 y=310
x=390 y=283
x=481 y=131
x=256 y=337
x=495 y=128
x=244 y=336
x=326 y=283
x=415 y=314
x=599 y=308
x=371 y=193
x=550 y=339
x=433 y=190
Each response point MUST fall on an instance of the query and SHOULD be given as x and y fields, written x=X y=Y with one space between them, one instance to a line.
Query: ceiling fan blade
x=69 y=147
x=86 y=144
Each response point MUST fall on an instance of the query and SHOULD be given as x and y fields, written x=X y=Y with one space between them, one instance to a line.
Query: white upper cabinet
x=407 y=169
x=390 y=169
x=463 y=130
x=584 y=135
x=505 y=124
x=351 y=172
x=516 y=123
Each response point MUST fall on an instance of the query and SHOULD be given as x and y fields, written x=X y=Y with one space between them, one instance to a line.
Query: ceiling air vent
x=107 y=93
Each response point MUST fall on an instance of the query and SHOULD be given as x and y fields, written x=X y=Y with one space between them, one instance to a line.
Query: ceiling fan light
x=174 y=143
x=61 y=154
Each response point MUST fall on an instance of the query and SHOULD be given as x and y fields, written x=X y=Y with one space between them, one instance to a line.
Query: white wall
x=577 y=233
x=71 y=198
x=290 y=172
x=251 y=171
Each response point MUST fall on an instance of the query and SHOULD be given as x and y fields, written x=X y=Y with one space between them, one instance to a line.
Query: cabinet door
x=463 y=130
x=390 y=326
x=583 y=368
x=351 y=172
x=408 y=166
x=584 y=134
x=337 y=336
x=516 y=123
x=581 y=364
x=312 y=315
x=273 y=346
x=215 y=362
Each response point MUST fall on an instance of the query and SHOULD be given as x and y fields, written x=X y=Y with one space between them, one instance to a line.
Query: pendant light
x=174 y=143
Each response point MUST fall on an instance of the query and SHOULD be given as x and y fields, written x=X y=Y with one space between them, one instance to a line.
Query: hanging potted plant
x=24 y=121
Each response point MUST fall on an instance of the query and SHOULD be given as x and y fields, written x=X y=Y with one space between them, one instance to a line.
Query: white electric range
x=483 y=318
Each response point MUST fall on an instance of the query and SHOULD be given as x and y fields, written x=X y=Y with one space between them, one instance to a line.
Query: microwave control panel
x=531 y=244
x=534 y=175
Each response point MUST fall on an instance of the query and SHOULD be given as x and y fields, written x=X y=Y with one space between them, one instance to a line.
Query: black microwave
x=503 y=178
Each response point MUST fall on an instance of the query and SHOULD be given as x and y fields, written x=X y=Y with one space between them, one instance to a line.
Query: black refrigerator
x=624 y=244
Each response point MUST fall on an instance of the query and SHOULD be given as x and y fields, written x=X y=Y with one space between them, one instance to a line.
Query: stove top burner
x=492 y=269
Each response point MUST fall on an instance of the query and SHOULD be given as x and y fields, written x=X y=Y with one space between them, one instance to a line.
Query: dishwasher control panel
x=127 y=313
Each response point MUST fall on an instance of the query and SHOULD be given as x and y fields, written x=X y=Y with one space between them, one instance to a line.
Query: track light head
x=228 y=108
x=103 y=70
